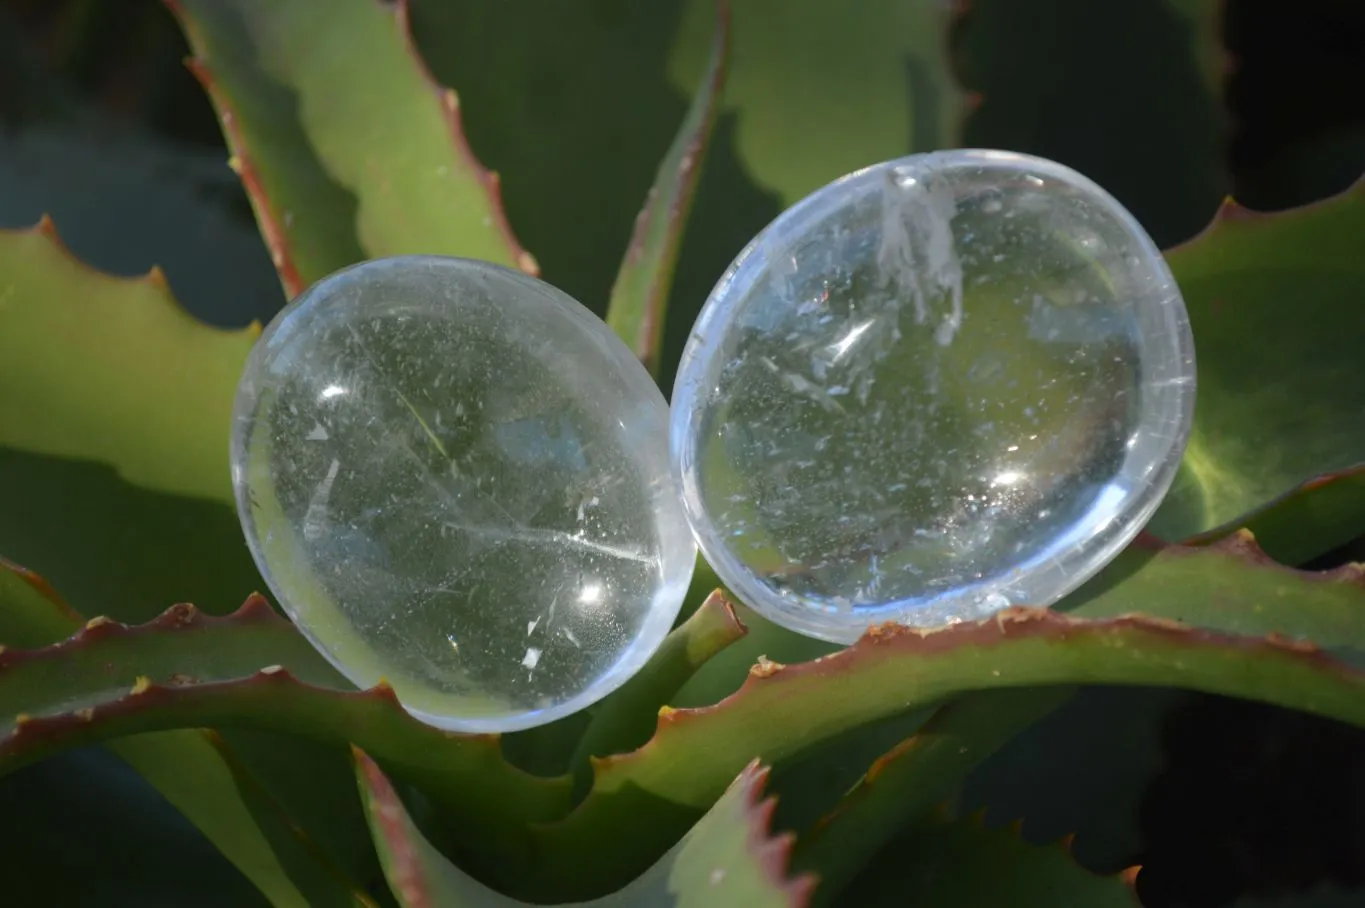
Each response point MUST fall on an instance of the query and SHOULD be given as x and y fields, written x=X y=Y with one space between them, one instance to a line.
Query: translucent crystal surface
x=937 y=387
x=455 y=477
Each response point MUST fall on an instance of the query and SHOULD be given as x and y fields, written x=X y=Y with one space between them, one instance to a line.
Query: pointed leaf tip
x=771 y=852
x=1236 y=277
x=271 y=225
x=639 y=296
x=343 y=162
x=623 y=720
x=491 y=181
x=893 y=670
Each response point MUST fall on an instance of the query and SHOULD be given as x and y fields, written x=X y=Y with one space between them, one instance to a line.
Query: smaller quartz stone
x=935 y=388
x=455 y=477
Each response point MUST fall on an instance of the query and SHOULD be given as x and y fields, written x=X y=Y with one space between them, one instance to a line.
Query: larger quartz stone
x=934 y=388
x=454 y=477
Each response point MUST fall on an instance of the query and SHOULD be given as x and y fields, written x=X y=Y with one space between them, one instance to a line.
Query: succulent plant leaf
x=1082 y=770
x=903 y=784
x=1310 y=521
x=884 y=86
x=251 y=669
x=949 y=863
x=729 y=857
x=90 y=831
x=196 y=772
x=625 y=719
x=1027 y=65
x=89 y=402
x=114 y=410
x=1229 y=585
x=347 y=147
x=1273 y=303
x=782 y=709
x=639 y=297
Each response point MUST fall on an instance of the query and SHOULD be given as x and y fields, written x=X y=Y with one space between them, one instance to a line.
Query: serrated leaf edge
x=689 y=151
x=450 y=108
x=1065 y=844
x=1017 y=622
x=772 y=852
x=1241 y=544
x=243 y=777
x=1232 y=214
x=184 y=691
x=154 y=278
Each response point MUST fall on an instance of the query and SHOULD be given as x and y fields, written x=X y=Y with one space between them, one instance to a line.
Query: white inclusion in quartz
x=936 y=387
x=455 y=478
x=916 y=249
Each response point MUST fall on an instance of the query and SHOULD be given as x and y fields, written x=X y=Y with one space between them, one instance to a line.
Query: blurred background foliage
x=102 y=127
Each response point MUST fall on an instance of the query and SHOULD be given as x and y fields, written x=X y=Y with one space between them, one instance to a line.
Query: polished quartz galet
x=455 y=478
x=932 y=389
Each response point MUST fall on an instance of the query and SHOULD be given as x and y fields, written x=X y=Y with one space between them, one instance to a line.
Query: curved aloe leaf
x=197 y=773
x=950 y=863
x=1317 y=517
x=626 y=719
x=187 y=669
x=728 y=858
x=1230 y=586
x=780 y=709
x=1034 y=66
x=88 y=831
x=1207 y=586
x=129 y=340
x=911 y=778
x=31 y=612
x=113 y=443
x=346 y=146
x=822 y=90
x=639 y=298
x=1273 y=301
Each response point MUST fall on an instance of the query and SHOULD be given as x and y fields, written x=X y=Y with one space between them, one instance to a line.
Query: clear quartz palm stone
x=454 y=477
x=934 y=388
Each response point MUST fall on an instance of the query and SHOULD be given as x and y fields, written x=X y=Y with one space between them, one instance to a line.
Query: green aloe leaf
x=639 y=298
x=89 y=831
x=90 y=401
x=119 y=502
x=626 y=719
x=950 y=863
x=187 y=669
x=1315 y=519
x=1083 y=770
x=559 y=747
x=1033 y=66
x=816 y=701
x=821 y=90
x=347 y=147
x=904 y=783
x=1230 y=586
x=196 y=772
x=1273 y=302
x=728 y=858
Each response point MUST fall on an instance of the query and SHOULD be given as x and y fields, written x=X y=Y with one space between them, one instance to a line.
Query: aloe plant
x=744 y=765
